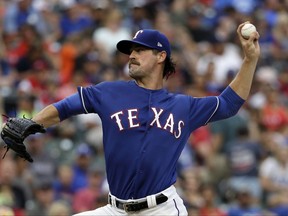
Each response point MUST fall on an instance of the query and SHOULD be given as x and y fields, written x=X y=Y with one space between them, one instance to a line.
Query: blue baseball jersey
x=144 y=131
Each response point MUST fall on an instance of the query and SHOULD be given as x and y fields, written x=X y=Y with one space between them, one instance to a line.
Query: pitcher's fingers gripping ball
x=14 y=133
x=247 y=30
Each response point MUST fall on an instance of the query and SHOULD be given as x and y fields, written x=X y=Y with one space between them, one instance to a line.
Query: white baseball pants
x=174 y=206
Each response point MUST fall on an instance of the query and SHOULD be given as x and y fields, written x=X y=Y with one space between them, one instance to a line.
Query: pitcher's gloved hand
x=14 y=133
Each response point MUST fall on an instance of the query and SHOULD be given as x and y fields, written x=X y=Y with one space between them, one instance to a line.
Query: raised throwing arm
x=241 y=84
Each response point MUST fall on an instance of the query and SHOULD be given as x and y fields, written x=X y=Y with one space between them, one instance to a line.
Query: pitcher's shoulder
x=112 y=84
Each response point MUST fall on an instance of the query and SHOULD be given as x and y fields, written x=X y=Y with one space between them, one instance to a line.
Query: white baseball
x=247 y=30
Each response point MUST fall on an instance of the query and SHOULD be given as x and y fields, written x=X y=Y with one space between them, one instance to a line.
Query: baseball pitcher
x=144 y=127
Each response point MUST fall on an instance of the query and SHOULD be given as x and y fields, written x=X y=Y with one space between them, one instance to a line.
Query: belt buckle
x=128 y=206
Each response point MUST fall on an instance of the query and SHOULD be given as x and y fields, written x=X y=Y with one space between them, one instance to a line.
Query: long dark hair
x=169 y=68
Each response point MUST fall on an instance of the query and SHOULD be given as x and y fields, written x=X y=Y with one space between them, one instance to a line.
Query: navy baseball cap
x=147 y=37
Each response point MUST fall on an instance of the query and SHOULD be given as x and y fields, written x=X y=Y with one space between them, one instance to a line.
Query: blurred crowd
x=237 y=166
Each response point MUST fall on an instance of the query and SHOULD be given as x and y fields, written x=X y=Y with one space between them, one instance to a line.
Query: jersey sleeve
x=90 y=98
x=229 y=104
x=69 y=106
x=201 y=110
x=213 y=108
x=86 y=100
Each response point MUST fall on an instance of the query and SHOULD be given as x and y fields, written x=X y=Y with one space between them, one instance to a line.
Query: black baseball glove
x=14 y=133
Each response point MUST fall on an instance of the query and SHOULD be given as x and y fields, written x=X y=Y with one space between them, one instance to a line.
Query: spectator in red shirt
x=209 y=206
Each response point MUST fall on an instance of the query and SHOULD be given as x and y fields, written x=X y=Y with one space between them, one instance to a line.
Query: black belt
x=133 y=206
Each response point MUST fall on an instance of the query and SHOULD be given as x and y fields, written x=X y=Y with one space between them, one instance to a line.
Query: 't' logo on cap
x=138 y=32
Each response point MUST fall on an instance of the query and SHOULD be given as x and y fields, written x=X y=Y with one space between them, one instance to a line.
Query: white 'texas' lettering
x=131 y=117
x=169 y=123
x=118 y=120
x=179 y=129
x=156 y=117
